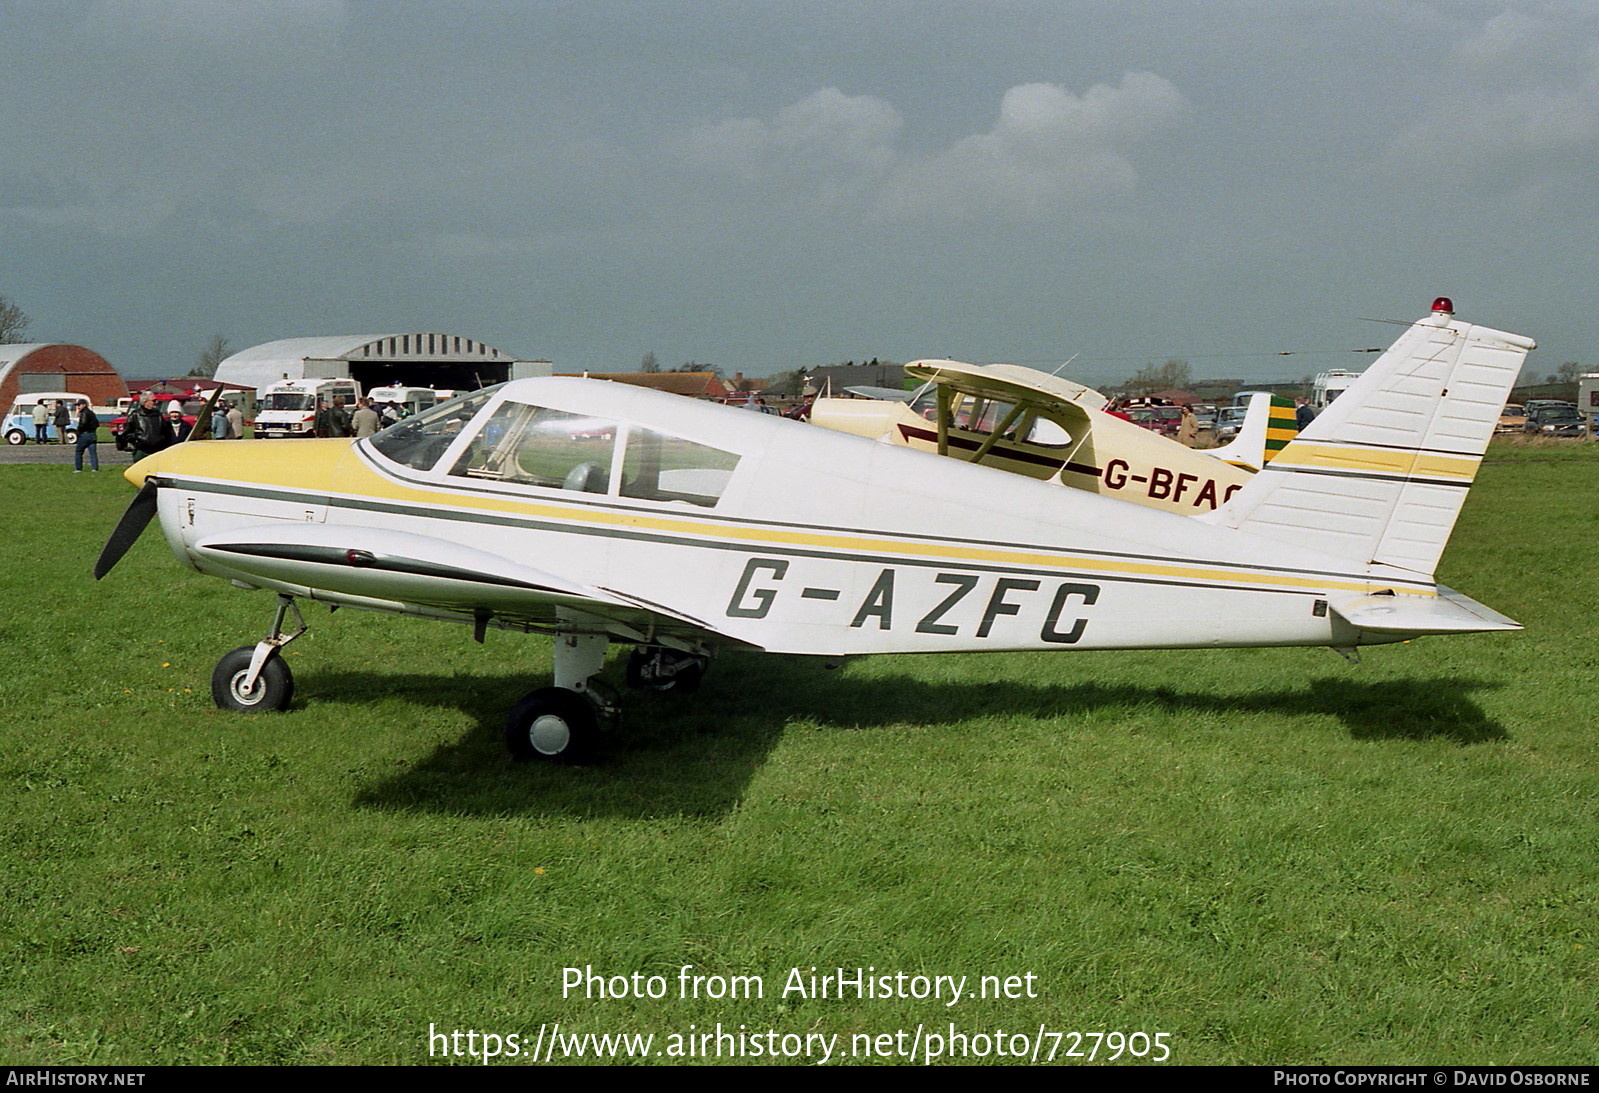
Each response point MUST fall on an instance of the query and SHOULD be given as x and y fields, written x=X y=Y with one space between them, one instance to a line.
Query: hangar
x=51 y=366
x=381 y=360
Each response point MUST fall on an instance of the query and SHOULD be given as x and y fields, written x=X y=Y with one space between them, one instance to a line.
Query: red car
x=1157 y=419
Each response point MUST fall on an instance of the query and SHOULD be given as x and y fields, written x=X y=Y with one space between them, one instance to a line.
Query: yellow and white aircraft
x=603 y=513
x=1042 y=426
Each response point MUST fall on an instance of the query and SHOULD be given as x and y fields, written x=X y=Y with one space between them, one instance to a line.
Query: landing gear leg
x=254 y=678
x=562 y=722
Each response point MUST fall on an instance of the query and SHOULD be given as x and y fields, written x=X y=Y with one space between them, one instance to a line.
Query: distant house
x=705 y=385
x=51 y=366
x=189 y=388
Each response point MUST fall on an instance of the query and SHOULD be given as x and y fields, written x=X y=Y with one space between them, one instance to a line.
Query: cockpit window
x=420 y=441
x=555 y=449
x=537 y=446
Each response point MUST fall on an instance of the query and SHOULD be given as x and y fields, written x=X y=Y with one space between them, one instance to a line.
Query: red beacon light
x=1444 y=305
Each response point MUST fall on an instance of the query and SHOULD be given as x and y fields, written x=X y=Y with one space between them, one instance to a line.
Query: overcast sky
x=769 y=185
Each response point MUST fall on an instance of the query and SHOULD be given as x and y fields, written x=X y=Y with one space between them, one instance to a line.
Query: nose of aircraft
x=303 y=463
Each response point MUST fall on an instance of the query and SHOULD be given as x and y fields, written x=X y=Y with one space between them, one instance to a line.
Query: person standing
x=365 y=421
x=180 y=428
x=1304 y=414
x=88 y=438
x=1188 y=427
x=62 y=421
x=333 y=420
x=219 y=422
x=235 y=422
x=41 y=421
x=146 y=431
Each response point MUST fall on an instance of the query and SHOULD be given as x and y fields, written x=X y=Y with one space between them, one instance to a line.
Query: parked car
x=1157 y=419
x=1561 y=419
x=1228 y=421
x=1511 y=418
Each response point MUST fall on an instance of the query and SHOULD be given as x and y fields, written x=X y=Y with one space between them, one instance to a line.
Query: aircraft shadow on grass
x=695 y=756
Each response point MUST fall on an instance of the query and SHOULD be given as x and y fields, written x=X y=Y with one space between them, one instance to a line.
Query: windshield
x=283 y=401
x=419 y=441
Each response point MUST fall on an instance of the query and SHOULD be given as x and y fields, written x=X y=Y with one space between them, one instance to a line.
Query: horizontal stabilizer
x=1447 y=613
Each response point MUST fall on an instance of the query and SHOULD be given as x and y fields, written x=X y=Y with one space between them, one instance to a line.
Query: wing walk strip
x=764 y=537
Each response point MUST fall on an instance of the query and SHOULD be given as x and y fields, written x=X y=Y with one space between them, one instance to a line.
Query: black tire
x=552 y=723
x=685 y=681
x=15 y=437
x=274 y=687
x=72 y=436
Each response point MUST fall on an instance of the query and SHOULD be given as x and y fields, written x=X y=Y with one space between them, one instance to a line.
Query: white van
x=1329 y=385
x=18 y=426
x=288 y=408
x=411 y=400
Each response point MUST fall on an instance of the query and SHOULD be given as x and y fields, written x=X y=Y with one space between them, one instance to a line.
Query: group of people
x=44 y=417
x=332 y=419
x=148 y=430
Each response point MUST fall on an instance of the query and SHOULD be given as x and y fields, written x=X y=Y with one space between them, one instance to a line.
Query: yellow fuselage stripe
x=312 y=466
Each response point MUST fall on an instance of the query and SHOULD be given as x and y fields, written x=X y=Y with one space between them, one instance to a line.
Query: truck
x=288 y=408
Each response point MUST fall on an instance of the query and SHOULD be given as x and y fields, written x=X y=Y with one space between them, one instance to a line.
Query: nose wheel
x=253 y=678
x=233 y=689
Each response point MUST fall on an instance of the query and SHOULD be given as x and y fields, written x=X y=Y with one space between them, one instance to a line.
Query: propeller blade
x=202 y=424
x=128 y=528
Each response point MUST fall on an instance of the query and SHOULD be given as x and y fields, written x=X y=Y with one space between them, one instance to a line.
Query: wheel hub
x=549 y=734
x=246 y=695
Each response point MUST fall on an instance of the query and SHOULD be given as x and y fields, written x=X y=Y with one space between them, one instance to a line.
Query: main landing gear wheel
x=273 y=689
x=664 y=671
x=552 y=723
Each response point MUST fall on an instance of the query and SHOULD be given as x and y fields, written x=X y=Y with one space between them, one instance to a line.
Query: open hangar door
x=441 y=375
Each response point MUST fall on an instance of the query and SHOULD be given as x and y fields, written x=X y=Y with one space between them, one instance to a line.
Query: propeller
x=202 y=424
x=128 y=528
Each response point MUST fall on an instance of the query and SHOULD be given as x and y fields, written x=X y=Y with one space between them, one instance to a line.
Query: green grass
x=1271 y=855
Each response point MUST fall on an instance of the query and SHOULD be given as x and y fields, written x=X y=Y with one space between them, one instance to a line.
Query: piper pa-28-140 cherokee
x=601 y=513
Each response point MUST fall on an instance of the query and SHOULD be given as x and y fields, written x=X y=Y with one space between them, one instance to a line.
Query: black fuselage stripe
x=1397 y=477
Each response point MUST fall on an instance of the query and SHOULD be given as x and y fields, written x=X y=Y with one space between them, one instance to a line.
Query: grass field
x=1271 y=856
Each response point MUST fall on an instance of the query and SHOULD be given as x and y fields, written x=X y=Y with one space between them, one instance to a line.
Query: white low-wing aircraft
x=601 y=513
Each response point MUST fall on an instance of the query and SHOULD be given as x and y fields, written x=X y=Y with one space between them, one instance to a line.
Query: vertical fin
x=1268 y=427
x=1381 y=474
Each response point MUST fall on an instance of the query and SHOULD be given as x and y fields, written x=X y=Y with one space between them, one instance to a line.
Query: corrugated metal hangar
x=382 y=360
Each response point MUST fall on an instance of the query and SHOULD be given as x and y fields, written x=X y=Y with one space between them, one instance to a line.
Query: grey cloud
x=1048 y=147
